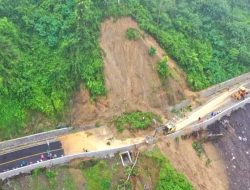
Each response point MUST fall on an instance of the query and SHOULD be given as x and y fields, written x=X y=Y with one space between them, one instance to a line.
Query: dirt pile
x=130 y=76
x=102 y=137
x=234 y=147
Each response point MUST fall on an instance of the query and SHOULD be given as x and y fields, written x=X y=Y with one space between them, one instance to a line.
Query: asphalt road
x=30 y=155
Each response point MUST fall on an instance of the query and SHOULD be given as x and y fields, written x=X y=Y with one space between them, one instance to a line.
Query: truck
x=169 y=128
x=240 y=94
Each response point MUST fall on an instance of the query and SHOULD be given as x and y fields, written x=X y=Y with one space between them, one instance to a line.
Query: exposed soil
x=234 y=147
x=184 y=159
x=94 y=139
x=133 y=83
x=131 y=78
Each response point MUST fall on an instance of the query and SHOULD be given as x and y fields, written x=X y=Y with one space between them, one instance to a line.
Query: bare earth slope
x=184 y=159
x=130 y=76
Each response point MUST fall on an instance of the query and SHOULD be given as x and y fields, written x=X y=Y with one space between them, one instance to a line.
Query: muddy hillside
x=234 y=147
x=131 y=78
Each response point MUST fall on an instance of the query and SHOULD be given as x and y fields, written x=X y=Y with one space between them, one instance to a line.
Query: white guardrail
x=66 y=159
x=210 y=121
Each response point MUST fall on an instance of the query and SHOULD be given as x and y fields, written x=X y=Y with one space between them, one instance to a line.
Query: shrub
x=197 y=146
x=135 y=120
x=177 y=140
x=36 y=172
x=208 y=162
x=151 y=51
x=98 y=176
x=51 y=176
x=97 y=124
x=169 y=178
x=162 y=68
x=132 y=171
x=133 y=34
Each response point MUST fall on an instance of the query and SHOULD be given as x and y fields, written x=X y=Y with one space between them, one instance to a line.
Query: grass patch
x=133 y=34
x=135 y=120
x=98 y=176
x=200 y=151
x=169 y=178
x=197 y=146
x=162 y=68
x=51 y=176
x=69 y=183
x=51 y=179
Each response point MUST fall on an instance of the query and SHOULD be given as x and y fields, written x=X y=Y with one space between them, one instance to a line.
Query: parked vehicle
x=24 y=163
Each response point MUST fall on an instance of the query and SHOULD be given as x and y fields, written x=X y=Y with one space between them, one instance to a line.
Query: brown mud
x=131 y=78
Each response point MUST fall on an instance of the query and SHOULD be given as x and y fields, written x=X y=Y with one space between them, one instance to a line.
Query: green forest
x=49 y=47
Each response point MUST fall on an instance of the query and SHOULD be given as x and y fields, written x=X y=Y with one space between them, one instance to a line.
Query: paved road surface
x=214 y=104
x=30 y=155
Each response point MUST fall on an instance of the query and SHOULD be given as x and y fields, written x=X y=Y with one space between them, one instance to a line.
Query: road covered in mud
x=234 y=147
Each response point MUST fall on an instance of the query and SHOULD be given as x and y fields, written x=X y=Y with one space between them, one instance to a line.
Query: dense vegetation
x=169 y=178
x=162 y=68
x=49 y=47
x=98 y=176
x=135 y=120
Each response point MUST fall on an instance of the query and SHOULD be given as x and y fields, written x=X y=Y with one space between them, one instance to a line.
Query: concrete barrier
x=66 y=159
x=224 y=85
x=203 y=125
x=33 y=138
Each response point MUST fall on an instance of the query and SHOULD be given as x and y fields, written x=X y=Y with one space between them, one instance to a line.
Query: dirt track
x=234 y=147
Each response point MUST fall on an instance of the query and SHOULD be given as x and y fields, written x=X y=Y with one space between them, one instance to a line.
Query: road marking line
x=29 y=156
x=25 y=146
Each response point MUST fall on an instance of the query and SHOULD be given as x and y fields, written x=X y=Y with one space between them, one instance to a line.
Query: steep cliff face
x=234 y=147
